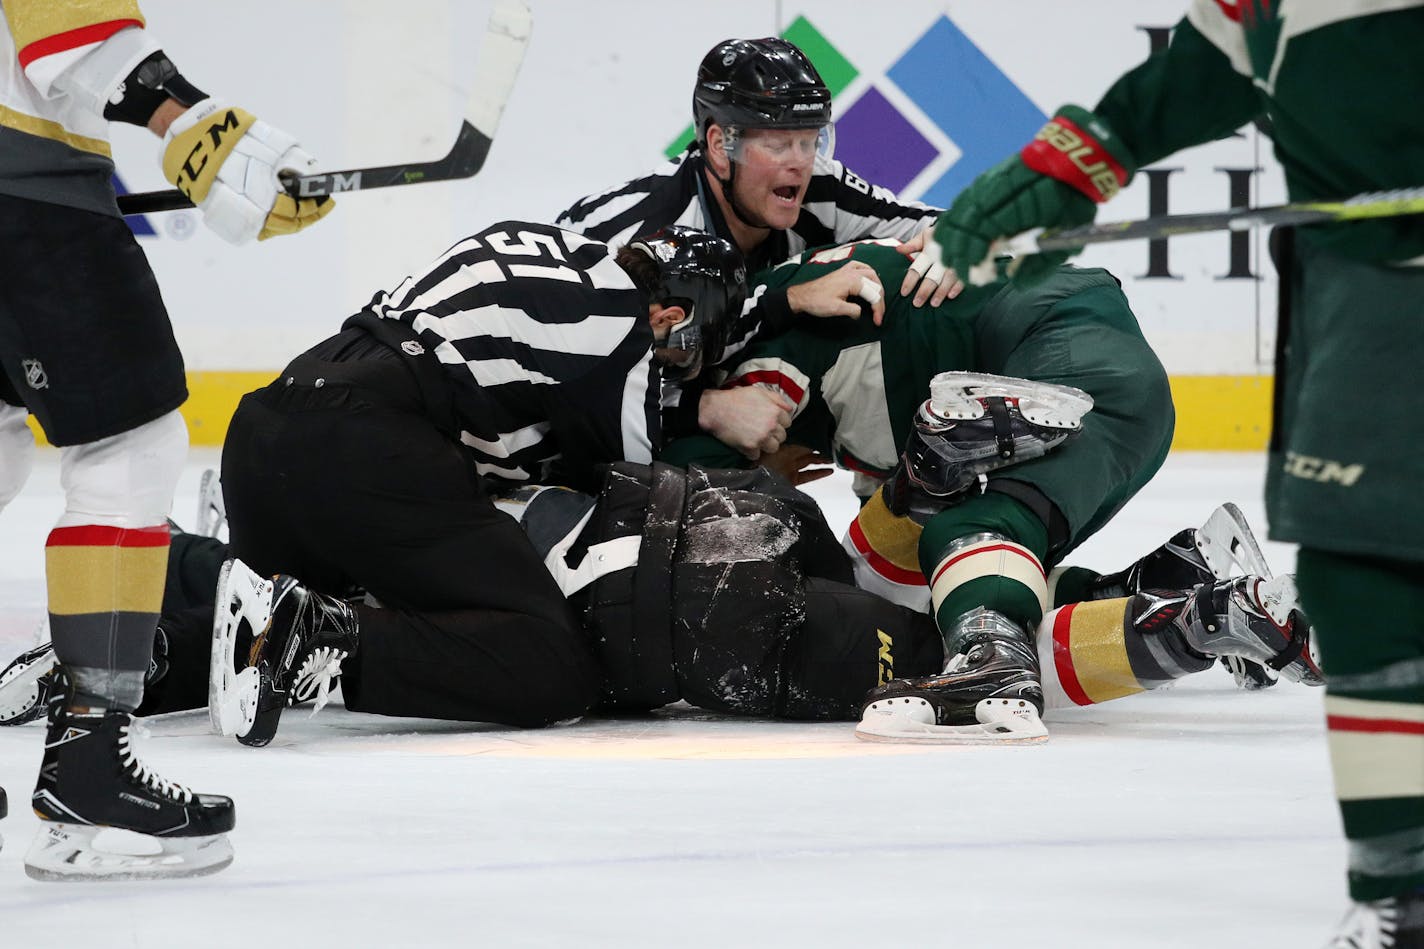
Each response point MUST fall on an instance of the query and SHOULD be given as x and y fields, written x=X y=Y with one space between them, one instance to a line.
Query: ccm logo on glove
x=211 y=139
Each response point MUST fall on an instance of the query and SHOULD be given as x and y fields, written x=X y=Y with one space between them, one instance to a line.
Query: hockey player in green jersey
x=1336 y=79
x=1011 y=376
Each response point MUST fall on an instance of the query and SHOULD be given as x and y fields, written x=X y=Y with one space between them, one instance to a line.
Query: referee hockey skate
x=1247 y=617
x=989 y=693
x=300 y=640
x=106 y=816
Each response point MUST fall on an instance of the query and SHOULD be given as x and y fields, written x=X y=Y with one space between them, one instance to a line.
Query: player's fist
x=1072 y=165
x=228 y=164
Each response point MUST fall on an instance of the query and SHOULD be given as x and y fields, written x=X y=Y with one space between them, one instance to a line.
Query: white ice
x=1198 y=816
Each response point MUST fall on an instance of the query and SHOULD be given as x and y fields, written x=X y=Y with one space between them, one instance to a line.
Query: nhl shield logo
x=35 y=374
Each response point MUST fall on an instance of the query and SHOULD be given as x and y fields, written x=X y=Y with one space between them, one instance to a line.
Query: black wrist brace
x=152 y=83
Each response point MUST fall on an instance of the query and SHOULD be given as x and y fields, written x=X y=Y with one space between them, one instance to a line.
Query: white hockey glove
x=227 y=162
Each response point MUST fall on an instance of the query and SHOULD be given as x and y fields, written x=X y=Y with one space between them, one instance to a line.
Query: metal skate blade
x=64 y=853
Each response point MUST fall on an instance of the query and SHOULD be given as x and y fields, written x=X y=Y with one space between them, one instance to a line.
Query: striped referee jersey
x=547 y=348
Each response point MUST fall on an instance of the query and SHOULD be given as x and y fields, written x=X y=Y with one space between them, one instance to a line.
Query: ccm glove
x=227 y=163
x=1073 y=164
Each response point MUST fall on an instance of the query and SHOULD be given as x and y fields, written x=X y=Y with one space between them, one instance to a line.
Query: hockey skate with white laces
x=990 y=692
x=1248 y=617
x=107 y=816
x=300 y=640
x=27 y=684
x=1393 y=923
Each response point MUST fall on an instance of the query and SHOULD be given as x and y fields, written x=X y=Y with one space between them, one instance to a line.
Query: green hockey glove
x=1073 y=164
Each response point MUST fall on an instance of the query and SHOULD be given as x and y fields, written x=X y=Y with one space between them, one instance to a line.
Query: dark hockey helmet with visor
x=707 y=277
x=760 y=84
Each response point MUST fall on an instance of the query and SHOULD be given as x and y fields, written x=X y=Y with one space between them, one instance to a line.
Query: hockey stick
x=1373 y=204
x=500 y=55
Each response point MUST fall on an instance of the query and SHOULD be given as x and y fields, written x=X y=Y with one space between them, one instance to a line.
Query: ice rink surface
x=1198 y=816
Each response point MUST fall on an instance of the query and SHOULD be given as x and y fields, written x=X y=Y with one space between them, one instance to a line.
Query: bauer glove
x=1074 y=163
x=227 y=163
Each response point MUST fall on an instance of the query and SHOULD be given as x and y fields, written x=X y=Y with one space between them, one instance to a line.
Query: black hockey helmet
x=705 y=275
x=753 y=84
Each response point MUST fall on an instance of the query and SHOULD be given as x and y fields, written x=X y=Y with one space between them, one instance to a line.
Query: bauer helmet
x=759 y=84
x=707 y=277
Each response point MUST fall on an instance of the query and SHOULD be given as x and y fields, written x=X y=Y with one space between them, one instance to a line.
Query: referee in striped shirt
x=524 y=353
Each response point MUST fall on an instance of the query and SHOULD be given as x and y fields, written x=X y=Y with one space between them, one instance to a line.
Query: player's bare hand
x=840 y=292
x=931 y=281
x=798 y=464
x=751 y=419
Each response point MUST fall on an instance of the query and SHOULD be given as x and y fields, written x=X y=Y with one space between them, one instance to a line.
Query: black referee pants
x=343 y=488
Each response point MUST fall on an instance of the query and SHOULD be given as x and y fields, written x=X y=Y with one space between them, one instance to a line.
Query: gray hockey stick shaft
x=1371 y=205
x=501 y=52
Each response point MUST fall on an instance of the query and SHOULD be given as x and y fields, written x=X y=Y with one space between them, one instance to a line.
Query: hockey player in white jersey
x=86 y=347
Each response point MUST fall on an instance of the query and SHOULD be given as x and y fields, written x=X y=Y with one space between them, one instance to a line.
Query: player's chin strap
x=730 y=193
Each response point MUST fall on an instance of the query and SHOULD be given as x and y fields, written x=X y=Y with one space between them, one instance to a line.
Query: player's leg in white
x=104 y=813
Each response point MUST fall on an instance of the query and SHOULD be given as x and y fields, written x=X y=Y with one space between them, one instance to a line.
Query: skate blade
x=955 y=395
x=19 y=690
x=1229 y=547
x=241 y=596
x=237 y=710
x=911 y=720
x=212 y=513
x=64 y=853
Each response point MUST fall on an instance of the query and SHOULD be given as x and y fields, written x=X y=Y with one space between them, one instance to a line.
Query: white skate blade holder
x=1229 y=547
x=956 y=395
x=63 y=852
x=911 y=719
x=19 y=688
x=232 y=696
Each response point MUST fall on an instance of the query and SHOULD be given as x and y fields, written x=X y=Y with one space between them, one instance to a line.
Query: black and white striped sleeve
x=666 y=195
x=841 y=206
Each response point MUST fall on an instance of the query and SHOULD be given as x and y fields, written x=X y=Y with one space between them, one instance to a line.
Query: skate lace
x=317 y=674
x=141 y=773
x=1368 y=926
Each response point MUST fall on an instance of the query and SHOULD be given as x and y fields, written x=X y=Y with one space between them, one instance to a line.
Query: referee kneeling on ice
x=525 y=353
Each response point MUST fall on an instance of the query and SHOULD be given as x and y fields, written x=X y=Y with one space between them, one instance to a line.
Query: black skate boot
x=91 y=783
x=989 y=692
x=1394 y=923
x=1248 y=617
x=301 y=640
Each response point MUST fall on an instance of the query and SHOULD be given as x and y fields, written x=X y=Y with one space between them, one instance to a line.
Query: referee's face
x=774 y=169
